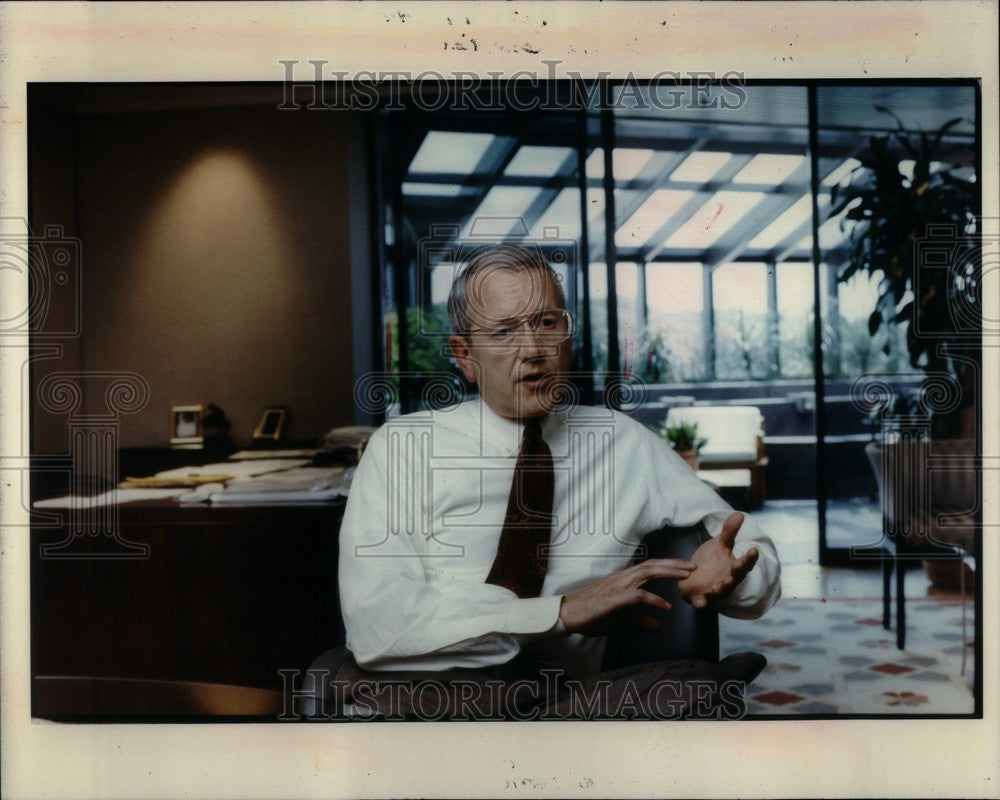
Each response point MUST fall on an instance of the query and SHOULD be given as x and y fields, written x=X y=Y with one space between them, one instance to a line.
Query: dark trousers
x=520 y=690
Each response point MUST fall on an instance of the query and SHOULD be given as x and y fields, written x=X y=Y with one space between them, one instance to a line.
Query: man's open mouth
x=535 y=379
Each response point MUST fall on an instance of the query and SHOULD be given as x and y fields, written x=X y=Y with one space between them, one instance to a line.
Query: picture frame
x=271 y=425
x=186 y=425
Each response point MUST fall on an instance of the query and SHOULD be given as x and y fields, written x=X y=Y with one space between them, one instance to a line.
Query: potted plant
x=684 y=439
x=915 y=231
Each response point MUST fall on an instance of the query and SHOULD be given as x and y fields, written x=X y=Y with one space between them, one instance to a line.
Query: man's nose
x=532 y=343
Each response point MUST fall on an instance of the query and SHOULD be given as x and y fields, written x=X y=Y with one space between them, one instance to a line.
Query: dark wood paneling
x=226 y=595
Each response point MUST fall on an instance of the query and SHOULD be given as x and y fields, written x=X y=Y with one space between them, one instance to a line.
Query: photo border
x=216 y=42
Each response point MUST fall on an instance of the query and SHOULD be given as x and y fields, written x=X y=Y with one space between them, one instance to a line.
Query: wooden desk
x=227 y=595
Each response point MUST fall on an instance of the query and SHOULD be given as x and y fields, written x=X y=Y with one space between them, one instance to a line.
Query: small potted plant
x=684 y=439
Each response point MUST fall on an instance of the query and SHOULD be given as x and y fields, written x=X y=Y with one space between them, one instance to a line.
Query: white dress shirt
x=425 y=512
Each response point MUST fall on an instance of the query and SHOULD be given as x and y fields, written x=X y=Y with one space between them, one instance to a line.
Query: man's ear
x=463 y=355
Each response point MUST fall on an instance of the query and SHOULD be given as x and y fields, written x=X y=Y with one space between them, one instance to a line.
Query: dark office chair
x=649 y=634
x=644 y=635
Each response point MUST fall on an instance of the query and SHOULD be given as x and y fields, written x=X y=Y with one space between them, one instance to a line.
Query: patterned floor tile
x=892 y=669
x=776 y=644
x=930 y=676
x=814 y=689
x=834 y=658
x=778 y=698
x=816 y=707
x=920 y=661
x=910 y=699
x=860 y=675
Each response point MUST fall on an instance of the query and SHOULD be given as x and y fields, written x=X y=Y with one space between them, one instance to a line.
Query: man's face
x=516 y=367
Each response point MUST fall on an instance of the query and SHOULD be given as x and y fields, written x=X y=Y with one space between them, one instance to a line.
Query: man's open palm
x=718 y=571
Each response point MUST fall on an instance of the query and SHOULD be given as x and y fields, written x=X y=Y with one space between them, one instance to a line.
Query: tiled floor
x=793 y=527
x=827 y=651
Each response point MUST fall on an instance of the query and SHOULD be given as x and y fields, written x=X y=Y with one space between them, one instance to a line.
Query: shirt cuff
x=534 y=614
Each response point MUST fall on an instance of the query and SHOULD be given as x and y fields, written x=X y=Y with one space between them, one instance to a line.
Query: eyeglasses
x=553 y=325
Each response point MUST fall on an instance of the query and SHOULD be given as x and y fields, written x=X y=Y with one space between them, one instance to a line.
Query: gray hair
x=505 y=256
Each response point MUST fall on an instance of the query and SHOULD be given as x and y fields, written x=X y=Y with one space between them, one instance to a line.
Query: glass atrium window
x=675 y=304
x=784 y=226
x=629 y=162
x=714 y=218
x=739 y=297
x=795 y=332
x=563 y=214
x=768 y=168
x=446 y=152
x=502 y=212
x=700 y=167
x=412 y=188
x=650 y=217
x=542 y=162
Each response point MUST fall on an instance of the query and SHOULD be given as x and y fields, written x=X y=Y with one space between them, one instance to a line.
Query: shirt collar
x=504 y=434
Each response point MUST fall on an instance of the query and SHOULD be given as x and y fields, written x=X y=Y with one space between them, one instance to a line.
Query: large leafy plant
x=886 y=212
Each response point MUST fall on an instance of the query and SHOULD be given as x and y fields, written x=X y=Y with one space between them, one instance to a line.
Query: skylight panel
x=416 y=189
x=563 y=214
x=628 y=163
x=701 y=166
x=768 y=168
x=535 y=161
x=784 y=225
x=502 y=211
x=652 y=215
x=713 y=219
x=595 y=202
x=450 y=153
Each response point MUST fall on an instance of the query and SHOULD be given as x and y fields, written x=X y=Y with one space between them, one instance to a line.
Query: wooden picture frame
x=186 y=425
x=271 y=425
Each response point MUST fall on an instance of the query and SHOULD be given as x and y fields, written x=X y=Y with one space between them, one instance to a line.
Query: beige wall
x=216 y=265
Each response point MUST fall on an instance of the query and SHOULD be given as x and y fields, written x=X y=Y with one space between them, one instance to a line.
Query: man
x=437 y=534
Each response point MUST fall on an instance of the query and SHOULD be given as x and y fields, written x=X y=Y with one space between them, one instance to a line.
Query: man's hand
x=718 y=572
x=584 y=610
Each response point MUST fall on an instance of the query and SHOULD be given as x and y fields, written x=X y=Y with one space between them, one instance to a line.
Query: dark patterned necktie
x=527 y=528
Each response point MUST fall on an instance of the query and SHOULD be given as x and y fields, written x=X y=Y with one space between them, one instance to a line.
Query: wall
x=217 y=264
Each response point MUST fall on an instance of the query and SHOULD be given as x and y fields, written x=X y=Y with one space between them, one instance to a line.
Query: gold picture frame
x=186 y=425
x=271 y=424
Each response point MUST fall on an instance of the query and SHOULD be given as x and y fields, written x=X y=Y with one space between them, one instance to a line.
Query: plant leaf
x=874 y=322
